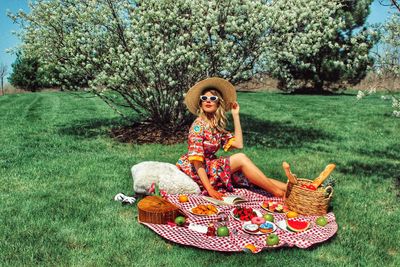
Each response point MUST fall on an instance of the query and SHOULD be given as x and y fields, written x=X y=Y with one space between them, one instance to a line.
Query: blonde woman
x=210 y=99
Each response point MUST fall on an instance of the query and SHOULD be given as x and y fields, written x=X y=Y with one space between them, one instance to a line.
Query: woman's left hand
x=235 y=108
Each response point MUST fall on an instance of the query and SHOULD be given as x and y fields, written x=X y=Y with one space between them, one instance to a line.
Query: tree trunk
x=319 y=86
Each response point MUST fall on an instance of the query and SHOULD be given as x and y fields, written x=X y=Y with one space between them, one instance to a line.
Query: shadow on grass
x=91 y=127
x=271 y=134
x=324 y=94
x=384 y=170
x=277 y=134
x=310 y=91
x=390 y=152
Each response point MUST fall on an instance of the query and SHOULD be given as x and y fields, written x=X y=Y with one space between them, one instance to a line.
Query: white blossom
x=360 y=95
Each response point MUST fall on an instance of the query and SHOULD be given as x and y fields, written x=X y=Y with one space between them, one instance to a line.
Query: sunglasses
x=212 y=98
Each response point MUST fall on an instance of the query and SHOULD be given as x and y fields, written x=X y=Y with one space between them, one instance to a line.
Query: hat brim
x=226 y=89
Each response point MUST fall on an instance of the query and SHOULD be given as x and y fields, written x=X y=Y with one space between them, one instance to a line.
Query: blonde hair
x=219 y=120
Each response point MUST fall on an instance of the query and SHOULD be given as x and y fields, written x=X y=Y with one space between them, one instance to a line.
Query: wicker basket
x=305 y=201
x=155 y=209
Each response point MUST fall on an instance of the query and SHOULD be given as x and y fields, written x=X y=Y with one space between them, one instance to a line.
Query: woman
x=209 y=100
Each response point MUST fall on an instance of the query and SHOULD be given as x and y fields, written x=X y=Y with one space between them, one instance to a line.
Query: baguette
x=292 y=178
x=323 y=175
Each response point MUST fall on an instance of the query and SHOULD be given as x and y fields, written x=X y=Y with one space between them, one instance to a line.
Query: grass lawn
x=59 y=171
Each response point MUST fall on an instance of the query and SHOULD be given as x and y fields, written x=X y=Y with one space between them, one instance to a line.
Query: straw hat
x=226 y=89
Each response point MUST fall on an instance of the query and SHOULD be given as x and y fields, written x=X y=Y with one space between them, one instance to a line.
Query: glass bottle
x=211 y=230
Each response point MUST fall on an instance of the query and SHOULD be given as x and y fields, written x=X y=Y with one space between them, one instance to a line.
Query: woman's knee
x=239 y=160
x=240 y=156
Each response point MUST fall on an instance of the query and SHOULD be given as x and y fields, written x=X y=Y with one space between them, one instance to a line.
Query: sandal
x=126 y=200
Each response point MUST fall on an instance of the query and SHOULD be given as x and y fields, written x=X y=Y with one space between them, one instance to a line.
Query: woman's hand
x=215 y=194
x=235 y=108
x=238 y=143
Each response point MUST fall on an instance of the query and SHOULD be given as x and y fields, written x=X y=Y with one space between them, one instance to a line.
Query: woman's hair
x=219 y=120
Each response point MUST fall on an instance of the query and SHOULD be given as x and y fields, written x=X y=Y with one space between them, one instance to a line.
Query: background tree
x=26 y=73
x=392 y=3
x=319 y=45
x=387 y=60
x=3 y=73
x=145 y=55
x=142 y=56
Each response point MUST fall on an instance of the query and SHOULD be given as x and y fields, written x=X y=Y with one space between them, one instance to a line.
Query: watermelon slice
x=297 y=226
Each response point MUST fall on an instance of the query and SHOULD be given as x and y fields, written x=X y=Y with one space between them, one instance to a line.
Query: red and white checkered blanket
x=238 y=238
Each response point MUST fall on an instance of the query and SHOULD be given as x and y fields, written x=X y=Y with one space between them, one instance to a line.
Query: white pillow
x=166 y=175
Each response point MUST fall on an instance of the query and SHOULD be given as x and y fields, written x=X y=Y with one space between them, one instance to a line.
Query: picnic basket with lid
x=155 y=209
x=306 y=201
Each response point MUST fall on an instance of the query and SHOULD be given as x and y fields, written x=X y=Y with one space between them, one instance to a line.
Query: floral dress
x=203 y=143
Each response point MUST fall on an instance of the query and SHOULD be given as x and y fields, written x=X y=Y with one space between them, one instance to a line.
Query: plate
x=282 y=224
x=267 y=208
x=258 y=213
x=198 y=228
x=197 y=214
x=259 y=232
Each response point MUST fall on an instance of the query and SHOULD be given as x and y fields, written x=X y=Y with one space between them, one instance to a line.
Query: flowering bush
x=312 y=44
x=145 y=54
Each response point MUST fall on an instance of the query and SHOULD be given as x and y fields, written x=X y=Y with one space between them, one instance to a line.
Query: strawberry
x=311 y=187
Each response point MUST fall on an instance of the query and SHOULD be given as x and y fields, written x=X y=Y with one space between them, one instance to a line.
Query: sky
x=378 y=14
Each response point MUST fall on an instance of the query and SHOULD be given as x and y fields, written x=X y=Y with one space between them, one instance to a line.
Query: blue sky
x=7 y=40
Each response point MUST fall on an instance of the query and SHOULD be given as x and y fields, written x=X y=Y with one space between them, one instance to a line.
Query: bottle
x=211 y=230
x=318 y=181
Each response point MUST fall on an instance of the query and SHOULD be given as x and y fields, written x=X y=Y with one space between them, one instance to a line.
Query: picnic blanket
x=238 y=238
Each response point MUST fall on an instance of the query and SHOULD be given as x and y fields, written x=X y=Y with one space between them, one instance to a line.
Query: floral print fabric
x=203 y=143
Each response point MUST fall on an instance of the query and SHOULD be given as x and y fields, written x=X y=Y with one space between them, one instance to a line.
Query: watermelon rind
x=297 y=226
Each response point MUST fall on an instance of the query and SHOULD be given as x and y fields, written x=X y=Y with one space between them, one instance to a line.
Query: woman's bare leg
x=241 y=162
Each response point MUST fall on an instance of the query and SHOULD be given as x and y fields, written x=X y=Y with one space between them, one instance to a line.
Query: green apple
x=269 y=217
x=180 y=220
x=322 y=221
x=272 y=240
x=223 y=231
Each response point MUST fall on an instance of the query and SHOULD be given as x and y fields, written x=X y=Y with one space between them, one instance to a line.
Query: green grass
x=59 y=171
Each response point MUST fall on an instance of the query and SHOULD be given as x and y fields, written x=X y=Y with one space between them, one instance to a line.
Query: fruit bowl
x=204 y=210
x=274 y=206
x=244 y=214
